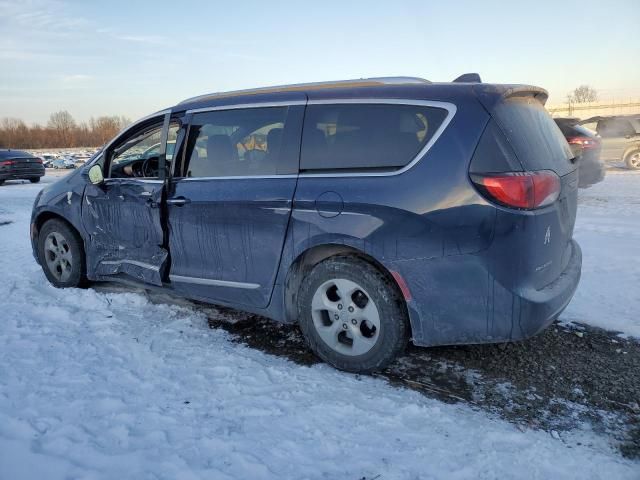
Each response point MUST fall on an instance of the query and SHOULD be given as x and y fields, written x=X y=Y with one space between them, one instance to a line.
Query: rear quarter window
x=536 y=139
x=366 y=136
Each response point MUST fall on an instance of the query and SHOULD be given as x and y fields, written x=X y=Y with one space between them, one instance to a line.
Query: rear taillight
x=6 y=163
x=524 y=190
x=584 y=142
x=38 y=160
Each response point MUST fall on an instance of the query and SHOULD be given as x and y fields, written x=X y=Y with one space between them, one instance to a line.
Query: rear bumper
x=539 y=308
x=22 y=174
x=455 y=300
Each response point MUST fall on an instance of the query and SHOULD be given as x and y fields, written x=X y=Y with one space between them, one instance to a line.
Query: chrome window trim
x=212 y=282
x=235 y=177
x=239 y=106
x=449 y=107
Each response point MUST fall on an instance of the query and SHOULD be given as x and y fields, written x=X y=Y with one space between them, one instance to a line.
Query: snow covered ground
x=608 y=230
x=97 y=384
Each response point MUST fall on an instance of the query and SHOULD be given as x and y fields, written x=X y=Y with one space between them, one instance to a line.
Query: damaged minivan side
x=371 y=212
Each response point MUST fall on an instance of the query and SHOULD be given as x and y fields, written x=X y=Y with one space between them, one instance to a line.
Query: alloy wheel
x=345 y=317
x=58 y=256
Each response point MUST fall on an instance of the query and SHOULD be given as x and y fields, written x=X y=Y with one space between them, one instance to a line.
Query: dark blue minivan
x=371 y=212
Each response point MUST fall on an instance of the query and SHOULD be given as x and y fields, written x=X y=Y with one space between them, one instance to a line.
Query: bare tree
x=63 y=125
x=583 y=94
x=105 y=128
x=61 y=131
x=14 y=131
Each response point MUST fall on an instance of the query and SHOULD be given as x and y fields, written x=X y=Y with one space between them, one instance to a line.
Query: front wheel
x=352 y=316
x=61 y=255
x=632 y=160
x=34 y=179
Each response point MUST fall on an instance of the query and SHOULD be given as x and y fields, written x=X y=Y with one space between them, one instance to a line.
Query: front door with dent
x=123 y=214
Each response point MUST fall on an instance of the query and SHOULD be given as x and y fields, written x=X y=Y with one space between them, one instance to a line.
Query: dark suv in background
x=370 y=211
x=19 y=165
x=586 y=147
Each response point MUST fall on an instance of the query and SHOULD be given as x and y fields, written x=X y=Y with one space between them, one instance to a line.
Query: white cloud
x=40 y=14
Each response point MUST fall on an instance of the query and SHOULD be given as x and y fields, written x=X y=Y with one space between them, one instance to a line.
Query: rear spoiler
x=489 y=95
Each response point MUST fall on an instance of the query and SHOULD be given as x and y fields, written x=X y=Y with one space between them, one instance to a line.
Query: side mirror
x=95 y=175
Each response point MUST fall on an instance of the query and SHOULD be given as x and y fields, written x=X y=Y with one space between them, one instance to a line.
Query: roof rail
x=468 y=78
x=361 y=82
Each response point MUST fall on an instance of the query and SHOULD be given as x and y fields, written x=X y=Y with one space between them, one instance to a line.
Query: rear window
x=366 y=136
x=536 y=139
x=584 y=131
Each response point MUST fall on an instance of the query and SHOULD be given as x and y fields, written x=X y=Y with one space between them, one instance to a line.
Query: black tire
x=77 y=272
x=393 y=334
x=34 y=179
x=632 y=160
x=1 y=182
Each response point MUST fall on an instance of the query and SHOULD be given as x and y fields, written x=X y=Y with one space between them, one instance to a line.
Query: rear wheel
x=34 y=179
x=633 y=160
x=1 y=182
x=61 y=255
x=351 y=315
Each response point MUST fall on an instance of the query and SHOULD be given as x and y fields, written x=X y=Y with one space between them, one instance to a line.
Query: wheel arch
x=309 y=258
x=46 y=215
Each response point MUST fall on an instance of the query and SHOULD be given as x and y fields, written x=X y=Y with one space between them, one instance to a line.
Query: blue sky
x=131 y=58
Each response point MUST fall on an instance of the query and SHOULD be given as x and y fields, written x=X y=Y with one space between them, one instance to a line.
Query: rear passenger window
x=241 y=142
x=366 y=136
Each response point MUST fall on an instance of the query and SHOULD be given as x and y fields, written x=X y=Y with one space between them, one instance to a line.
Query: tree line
x=60 y=131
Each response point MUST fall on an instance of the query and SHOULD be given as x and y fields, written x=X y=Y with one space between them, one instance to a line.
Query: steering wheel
x=147 y=169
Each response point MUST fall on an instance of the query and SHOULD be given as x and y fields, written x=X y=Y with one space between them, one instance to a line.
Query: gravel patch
x=566 y=378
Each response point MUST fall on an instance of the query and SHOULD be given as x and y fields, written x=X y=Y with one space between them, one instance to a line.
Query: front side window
x=239 y=142
x=138 y=155
x=366 y=136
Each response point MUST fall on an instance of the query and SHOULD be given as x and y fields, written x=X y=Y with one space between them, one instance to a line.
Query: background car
x=19 y=165
x=48 y=159
x=586 y=146
x=620 y=138
x=62 y=163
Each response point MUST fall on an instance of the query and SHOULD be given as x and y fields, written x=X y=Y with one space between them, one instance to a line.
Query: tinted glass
x=365 y=136
x=242 y=142
x=137 y=156
x=536 y=139
x=128 y=157
x=615 y=127
x=580 y=130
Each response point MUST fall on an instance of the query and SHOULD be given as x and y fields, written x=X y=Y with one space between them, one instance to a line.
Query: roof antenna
x=468 y=78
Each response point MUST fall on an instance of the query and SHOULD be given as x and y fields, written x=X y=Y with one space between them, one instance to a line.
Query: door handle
x=178 y=201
